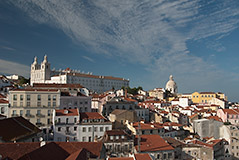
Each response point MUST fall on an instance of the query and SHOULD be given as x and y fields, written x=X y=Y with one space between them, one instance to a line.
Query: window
x=106 y=128
x=38 y=112
x=49 y=97
x=67 y=129
x=21 y=104
x=38 y=104
x=49 y=112
x=48 y=121
x=2 y=110
x=59 y=129
x=95 y=129
x=89 y=129
x=28 y=97
x=54 y=97
x=75 y=119
x=75 y=128
x=28 y=104
x=38 y=97
x=101 y=129
x=86 y=102
x=49 y=104
x=84 y=129
x=14 y=97
x=89 y=139
x=111 y=137
x=117 y=137
x=38 y=121
x=67 y=120
x=54 y=104
x=21 y=97
x=14 y=112
x=83 y=139
x=28 y=112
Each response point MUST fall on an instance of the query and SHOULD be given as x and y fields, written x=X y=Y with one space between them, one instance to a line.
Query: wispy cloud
x=8 y=48
x=88 y=58
x=9 y=67
x=153 y=33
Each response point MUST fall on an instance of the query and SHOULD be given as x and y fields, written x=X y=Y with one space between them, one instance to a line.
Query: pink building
x=229 y=115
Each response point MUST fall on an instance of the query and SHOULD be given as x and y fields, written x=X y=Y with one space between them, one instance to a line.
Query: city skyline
x=195 y=41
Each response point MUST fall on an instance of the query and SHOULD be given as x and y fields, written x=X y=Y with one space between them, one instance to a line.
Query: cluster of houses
x=71 y=121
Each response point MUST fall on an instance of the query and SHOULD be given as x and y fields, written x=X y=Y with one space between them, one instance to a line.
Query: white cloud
x=9 y=67
x=153 y=33
x=8 y=48
x=88 y=58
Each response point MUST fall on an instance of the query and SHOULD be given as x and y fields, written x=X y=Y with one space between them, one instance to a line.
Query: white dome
x=171 y=85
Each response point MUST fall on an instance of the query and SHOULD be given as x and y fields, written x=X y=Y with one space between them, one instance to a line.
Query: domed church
x=171 y=85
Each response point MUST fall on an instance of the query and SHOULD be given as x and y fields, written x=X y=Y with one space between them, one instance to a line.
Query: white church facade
x=42 y=73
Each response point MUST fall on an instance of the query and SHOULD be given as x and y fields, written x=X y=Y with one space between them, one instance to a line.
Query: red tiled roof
x=81 y=154
x=207 y=93
x=115 y=132
x=2 y=96
x=3 y=101
x=48 y=151
x=71 y=147
x=172 y=124
x=16 y=128
x=231 y=111
x=142 y=156
x=37 y=90
x=149 y=143
x=17 y=150
x=91 y=115
x=54 y=85
x=67 y=112
x=215 y=118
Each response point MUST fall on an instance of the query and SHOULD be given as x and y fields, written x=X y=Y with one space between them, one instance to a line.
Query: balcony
x=39 y=124
x=29 y=115
x=40 y=115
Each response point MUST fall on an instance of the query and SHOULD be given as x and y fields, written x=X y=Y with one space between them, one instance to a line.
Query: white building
x=171 y=85
x=4 y=105
x=42 y=73
x=92 y=126
x=65 y=125
x=70 y=125
x=68 y=101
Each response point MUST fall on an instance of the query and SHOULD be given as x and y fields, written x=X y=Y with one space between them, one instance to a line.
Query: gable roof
x=15 y=128
x=17 y=150
x=151 y=143
x=91 y=115
x=48 y=151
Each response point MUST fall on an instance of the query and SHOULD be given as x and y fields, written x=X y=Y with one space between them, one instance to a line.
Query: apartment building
x=36 y=105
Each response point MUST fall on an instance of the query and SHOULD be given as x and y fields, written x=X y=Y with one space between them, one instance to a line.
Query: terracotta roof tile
x=3 y=101
x=53 y=85
x=48 y=151
x=149 y=143
x=91 y=115
x=142 y=156
x=67 y=112
x=17 y=150
x=215 y=118
x=9 y=126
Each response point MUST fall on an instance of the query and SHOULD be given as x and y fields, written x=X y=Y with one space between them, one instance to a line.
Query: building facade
x=36 y=105
x=42 y=73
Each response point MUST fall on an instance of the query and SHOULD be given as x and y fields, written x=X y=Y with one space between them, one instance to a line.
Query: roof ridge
x=21 y=124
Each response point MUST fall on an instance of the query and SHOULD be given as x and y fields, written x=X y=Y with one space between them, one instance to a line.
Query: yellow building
x=202 y=97
x=36 y=105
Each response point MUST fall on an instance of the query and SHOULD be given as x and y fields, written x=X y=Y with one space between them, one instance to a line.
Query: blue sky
x=194 y=40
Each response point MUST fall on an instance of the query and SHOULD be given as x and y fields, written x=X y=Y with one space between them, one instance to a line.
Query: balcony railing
x=40 y=115
x=39 y=124
x=29 y=115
